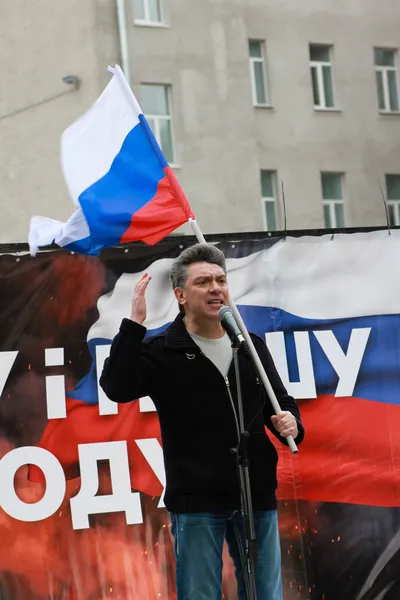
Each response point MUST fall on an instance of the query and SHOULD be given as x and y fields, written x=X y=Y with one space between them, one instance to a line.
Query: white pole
x=261 y=371
x=123 y=38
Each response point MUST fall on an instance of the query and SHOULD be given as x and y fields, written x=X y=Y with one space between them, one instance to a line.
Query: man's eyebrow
x=221 y=276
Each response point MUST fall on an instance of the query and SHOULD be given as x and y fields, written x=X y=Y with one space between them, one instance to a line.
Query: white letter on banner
x=347 y=366
x=55 y=484
x=106 y=406
x=7 y=360
x=153 y=453
x=305 y=388
x=55 y=385
x=146 y=404
x=122 y=498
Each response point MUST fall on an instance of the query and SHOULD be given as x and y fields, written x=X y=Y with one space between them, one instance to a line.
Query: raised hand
x=138 y=311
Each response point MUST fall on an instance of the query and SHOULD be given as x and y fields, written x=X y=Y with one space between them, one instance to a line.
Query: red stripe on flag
x=351 y=453
x=168 y=210
x=84 y=425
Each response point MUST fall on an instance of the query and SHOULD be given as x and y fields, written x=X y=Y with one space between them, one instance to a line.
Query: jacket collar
x=177 y=337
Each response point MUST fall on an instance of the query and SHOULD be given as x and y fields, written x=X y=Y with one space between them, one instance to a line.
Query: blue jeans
x=199 y=539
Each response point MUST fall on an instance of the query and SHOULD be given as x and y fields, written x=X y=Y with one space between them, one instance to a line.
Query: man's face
x=205 y=291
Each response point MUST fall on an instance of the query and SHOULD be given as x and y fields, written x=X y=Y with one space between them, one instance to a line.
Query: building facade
x=53 y=62
x=251 y=100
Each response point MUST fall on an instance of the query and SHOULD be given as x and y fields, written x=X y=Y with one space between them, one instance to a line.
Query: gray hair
x=193 y=254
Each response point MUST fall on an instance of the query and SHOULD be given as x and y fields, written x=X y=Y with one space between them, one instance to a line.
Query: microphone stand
x=245 y=489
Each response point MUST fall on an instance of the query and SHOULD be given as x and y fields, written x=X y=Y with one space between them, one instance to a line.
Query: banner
x=82 y=479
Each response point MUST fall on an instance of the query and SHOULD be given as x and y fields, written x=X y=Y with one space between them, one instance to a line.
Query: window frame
x=262 y=60
x=146 y=20
x=157 y=118
x=330 y=203
x=319 y=66
x=384 y=70
x=393 y=203
x=270 y=199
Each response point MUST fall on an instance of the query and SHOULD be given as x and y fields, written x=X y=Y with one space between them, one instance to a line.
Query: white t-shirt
x=219 y=351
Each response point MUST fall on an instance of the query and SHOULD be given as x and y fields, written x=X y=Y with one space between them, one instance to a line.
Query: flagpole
x=261 y=371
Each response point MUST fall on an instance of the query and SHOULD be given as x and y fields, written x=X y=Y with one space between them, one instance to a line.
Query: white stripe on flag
x=90 y=145
x=44 y=231
x=311 y=277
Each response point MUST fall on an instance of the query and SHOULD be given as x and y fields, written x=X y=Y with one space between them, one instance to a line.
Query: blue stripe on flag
x=131 y=182
x=85 y=246
x=379 y=375
x=153 y=141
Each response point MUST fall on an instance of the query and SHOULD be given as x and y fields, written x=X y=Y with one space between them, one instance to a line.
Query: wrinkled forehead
x=204 y=269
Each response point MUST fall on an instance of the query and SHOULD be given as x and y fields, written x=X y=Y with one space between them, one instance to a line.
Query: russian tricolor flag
x=117 y=176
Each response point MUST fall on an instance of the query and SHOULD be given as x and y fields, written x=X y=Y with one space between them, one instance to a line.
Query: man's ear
x=179 y=295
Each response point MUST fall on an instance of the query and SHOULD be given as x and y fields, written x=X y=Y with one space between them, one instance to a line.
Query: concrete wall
x=41 y=42
x=221 y=140
x=299 y=141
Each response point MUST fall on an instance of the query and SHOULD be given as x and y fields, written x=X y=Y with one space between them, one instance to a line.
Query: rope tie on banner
x=284 y=211
x=386 y=209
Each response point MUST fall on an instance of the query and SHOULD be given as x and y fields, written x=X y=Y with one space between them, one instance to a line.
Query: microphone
x=228 y=322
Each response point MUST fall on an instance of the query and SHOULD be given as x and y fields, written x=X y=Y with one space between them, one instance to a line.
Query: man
x=188 y=372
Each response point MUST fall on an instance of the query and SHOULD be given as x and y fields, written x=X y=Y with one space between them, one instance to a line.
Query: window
x=148 y=11
x=386 y=80
x=156 y=106
x=269 y=195
x=258 y=73
x=393 y=198
x=322 y=76
x=332 y=194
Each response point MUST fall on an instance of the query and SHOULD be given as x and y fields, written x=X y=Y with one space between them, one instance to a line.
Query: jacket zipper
x=228 y=387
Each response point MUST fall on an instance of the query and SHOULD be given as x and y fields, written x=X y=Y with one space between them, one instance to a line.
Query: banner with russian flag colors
x=117 y=176
x=82 y=479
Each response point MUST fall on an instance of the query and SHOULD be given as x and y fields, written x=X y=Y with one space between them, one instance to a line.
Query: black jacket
x=198 y=424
